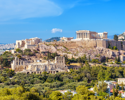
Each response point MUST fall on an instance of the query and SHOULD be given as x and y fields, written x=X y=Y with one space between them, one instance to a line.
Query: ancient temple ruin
x=39 y=66
x=86 y=34
x=28 y=43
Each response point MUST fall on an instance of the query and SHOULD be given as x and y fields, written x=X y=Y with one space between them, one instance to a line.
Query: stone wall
x=90 y=44
x=30 y=46
x=119 y=44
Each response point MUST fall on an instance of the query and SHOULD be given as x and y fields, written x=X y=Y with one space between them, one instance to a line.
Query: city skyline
x=57 y=18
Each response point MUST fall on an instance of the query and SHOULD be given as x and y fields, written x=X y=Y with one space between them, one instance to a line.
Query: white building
x=66 y=38
x=121 y=80
x=27 y=43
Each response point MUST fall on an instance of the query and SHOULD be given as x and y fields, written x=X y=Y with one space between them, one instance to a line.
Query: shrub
x=28 y=52
x=111 y=62
x=19 y=56
x=123 y=62
x=115 y=48
x=95 y=60
x=19 y=50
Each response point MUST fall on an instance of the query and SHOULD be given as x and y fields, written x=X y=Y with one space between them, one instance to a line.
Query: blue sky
x=21 y=19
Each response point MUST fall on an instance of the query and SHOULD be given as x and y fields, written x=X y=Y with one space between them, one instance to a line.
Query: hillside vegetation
x=46 y=85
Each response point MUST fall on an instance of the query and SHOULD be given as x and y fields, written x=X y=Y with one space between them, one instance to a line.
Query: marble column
x=77 y=35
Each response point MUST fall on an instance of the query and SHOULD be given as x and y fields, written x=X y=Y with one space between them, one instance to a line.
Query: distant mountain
x=52 y=39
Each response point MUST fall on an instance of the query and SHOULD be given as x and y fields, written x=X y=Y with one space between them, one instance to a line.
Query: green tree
x=33 y=90
x=95 y=60
x=56 y=95
x=5 y=62
x=101 y=75
x=115 y=48
x=106 y=59
x=102 y=87
x=28 y=52
x=19 y=50
x=1 y=60
x=80 y=97
x=89 y=58
x=123 y=62
x=124 y=72
x=122 y=86
x=116 y=37
x=19 y=56
x=117 y=89
x=116 y=60
x=114 y=92
x=86 y=63
x=96 y=88
x=4 y=92
x=82 y=90
x=31 y=96
x=68 y=95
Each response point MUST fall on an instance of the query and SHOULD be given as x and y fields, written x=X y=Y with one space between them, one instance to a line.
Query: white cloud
x=21 y=9
x=54 y=30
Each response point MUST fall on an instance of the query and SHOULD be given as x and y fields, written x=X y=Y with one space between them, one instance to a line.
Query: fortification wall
x=87 y=43
x=69 y=44
x=90 y=44
x=119 y=44
x=123 y=45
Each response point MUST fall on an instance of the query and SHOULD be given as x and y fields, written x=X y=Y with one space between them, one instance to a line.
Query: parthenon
x=86 y=34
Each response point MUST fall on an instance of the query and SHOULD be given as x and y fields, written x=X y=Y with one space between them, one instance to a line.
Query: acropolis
x=84 y=39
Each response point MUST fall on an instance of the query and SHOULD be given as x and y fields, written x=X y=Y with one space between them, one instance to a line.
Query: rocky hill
x=74 y=50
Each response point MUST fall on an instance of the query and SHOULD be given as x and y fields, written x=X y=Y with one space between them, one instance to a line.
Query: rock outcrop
x=79 y=51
